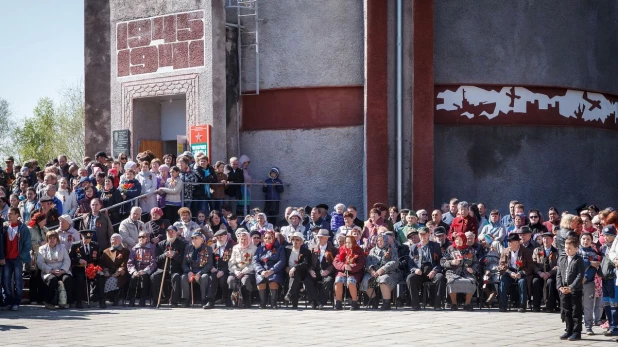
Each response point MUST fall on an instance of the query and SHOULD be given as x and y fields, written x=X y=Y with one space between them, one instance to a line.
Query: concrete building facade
x=484 y=100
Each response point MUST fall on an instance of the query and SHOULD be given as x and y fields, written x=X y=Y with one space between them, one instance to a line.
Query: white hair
x=463 y=204
x=339 y=205
x=420 y=212
x=136 y=208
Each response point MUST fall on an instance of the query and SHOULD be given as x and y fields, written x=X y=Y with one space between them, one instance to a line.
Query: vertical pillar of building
x=213 y=109
x=376 y=102
x=423 y=106
x=97 y=76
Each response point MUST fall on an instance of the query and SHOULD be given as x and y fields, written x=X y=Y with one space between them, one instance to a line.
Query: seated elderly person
x=66 y=233
x=515 y=265
x=256 y=238
x=441 y=238
x=350 y=265
x=492 y=249
x=196 y=268
x=114 y=264
x=295 y=226
x=382 y=271
x=298 y=260
x=269 y=264
x=142 y=263
x=185 y=225
x=321 y=277
x=55 y=265
x=157 y=226
x=262 y=223
x=130 y=228
x=461 y=267
x=220 y=270
x=241 y=279
x=545 y=259
x=424 y=264
x=169 y=256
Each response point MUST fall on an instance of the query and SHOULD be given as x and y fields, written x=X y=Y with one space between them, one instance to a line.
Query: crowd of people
x=179 y=239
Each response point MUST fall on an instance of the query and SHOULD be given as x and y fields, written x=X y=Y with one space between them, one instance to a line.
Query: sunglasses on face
x=535 y=217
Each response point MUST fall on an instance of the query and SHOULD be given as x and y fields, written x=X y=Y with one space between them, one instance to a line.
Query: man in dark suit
x=173 y=249
x=546 y=266
x=319 y=283
x=220 y=269
x=297 y=257
x=424 y=264
x=83 y=253
x=515 y=265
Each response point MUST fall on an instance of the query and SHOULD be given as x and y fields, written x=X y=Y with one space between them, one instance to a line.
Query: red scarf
x=13 y=225
x=269 y=246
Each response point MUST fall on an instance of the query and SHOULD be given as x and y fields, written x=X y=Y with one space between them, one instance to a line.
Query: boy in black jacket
x=569 y=283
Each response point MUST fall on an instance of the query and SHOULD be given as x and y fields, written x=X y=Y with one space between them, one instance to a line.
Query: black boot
x=274 y=295
x=354 y=306
x=132 y=302
x=246 y=297
x=142 y=302
x=338 y=305
x=262 y=293
x=386 y=305
x=374 y=302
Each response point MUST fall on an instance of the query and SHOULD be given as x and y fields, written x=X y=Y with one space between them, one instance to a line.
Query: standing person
x=508 y=219
x=148 y=181
x=273 y=187
x=110 y=196
x=99 y=222
x=38 y=231
x=448 y=217
x=218 y=189
x=129 y=188
x=569 y=283
x=15 y=248
x=610 y=303
x=244 y=162
x=172 y=191
x=236 y=177
x=162 y=176
x=188 y=179
x=464 y=222
x=68 y=198
x=206 y=175
x=28 y=206
x=592 y=262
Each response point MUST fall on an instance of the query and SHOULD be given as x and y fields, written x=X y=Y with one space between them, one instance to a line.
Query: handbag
x=608 y=268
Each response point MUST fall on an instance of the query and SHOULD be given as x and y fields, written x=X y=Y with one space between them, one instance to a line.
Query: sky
x=41 y=51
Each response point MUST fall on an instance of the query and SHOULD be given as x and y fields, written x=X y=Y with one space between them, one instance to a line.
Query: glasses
x=535 y=217
x=141 y=237
x=424 y=214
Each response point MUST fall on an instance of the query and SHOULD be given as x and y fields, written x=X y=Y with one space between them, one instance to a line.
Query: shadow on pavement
x=34 y=312
x=11 y=327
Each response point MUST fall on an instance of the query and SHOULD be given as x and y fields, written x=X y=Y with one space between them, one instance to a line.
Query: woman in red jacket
x=350 y=264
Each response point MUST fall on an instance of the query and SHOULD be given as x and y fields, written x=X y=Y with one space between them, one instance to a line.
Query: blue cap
x=609 y=230
x=197 y=234
x=173 y=228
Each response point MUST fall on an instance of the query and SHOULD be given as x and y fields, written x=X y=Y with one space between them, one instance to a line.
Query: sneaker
x=15 y=308
x=589 y=332
x=575 y=337
x=564 y=336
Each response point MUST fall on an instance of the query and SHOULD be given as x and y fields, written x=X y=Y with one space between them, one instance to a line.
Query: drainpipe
x=399 y=101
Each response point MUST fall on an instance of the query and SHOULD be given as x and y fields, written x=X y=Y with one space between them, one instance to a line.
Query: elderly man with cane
x=83 y=254
x=169 y=255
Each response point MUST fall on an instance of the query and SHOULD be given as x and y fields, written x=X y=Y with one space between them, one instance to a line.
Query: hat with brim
x=197 y=234
x=547 y=234
x=439 y=230
x=323 y=233
x=609 y=230
x=513 y=237
x=46 y=198
x=221 y=233
x=380 y=206
x=66 y=218
x=412 y=232
x=172 y=227
x=389 y=233
x=405 y=210
x=298 y=235
x=525 y=230
x=295 y=214
x=87 y=234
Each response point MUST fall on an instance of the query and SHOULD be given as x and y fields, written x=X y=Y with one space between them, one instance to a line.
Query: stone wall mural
x=524 y=106
x=160 y=44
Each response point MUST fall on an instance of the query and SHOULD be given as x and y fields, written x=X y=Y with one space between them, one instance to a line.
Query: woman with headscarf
x=490 y=263
x=114 y=265
x=461 y=266
x=350 y=265
x=242 y=279
x=382 y=271
x=55 y=265
x=269 y=265
x=67 y=197
x=262 y=223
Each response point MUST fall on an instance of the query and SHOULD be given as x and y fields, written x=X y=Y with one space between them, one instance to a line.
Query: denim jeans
x=506 y=282
x=13 y=271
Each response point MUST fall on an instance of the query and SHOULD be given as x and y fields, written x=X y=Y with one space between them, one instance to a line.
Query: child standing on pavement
x=569 y=283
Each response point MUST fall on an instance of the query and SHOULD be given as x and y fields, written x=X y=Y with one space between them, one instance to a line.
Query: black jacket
x=174 y=265
x=572 y=275
x=204 y=176
x=304 y=259
x=234 y=176
x=78 y=252
x=561 y=236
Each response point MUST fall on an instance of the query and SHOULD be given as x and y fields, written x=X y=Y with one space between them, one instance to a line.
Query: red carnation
x=519 y=263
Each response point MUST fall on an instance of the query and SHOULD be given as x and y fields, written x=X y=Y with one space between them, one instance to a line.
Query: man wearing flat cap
x=514 y=266
x=84 y=253
x=196 y=268
x=142 y=263
x=545 y=259
x=424 y=265
x=321 y=274
x=220 y=271
x=439 y=234
x=525 y=234
x=172 y=249
x=298 y=258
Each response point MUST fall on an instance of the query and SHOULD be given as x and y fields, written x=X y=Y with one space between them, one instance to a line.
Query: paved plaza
x=36 y=326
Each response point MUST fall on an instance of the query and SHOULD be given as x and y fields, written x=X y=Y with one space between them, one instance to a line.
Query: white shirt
x=569 y=259
x=322 y=251
x=514 y=259
x=293 y=257
x=12 y=232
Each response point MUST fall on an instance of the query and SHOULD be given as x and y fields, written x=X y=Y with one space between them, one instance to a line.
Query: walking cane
x=162 y=281
x=87 y=291
x=191 y=284
x=545 y=284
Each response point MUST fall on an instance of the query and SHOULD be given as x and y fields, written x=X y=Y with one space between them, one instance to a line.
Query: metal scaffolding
x=248 y=45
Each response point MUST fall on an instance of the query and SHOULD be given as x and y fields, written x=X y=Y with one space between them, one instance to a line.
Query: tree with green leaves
x=36 y=139
x=7 y=126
